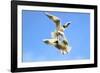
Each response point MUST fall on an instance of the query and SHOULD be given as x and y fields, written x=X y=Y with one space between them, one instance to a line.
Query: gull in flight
x=58 y=37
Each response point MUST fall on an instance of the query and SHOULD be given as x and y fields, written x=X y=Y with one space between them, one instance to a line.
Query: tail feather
x=69 y=49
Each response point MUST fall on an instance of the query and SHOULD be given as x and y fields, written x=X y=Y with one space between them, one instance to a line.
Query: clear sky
x=37 y=26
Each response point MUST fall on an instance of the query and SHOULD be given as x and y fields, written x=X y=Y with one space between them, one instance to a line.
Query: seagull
x=59 y=27
x=58 y=37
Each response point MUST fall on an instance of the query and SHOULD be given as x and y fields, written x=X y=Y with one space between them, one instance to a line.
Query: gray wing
x=55 y=19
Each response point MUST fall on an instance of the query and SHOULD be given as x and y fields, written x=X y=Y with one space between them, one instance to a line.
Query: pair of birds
x=58 y=37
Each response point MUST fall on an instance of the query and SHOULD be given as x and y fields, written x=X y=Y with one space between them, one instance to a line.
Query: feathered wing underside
x=55 y=19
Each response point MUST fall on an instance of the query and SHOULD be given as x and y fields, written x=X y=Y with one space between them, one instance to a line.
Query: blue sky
x=37 y=26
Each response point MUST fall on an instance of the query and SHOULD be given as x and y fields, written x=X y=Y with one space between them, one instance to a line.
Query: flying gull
x=58 y=38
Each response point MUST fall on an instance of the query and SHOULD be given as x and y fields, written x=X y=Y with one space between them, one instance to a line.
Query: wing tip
x=46 y=13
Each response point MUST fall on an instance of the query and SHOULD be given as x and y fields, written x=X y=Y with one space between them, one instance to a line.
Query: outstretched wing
x=50 y=41
x=55 y=19
x=66 y=24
